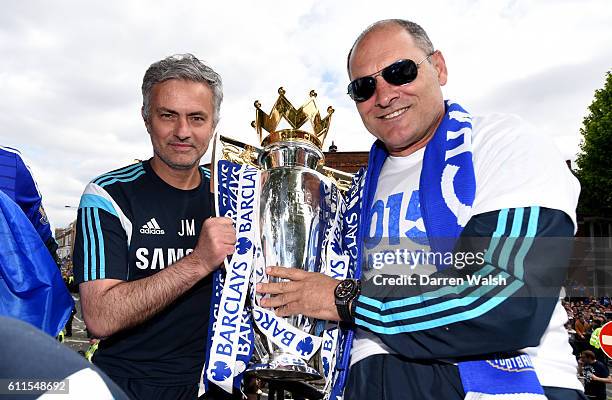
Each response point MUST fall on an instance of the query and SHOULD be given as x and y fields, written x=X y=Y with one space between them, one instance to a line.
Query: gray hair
x=184 y=67
x=415 y=30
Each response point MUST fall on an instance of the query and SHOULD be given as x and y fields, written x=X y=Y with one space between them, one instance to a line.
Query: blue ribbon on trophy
x=288 y=210
x=231 y=346
x=350 y=248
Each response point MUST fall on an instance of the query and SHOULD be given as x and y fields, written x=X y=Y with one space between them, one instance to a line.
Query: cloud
x=554 y=100
x=71 y=71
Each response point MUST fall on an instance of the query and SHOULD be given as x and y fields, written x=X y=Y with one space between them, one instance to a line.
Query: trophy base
x=284 y=368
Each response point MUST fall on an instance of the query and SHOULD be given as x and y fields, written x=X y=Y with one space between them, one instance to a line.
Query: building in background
x=65 y=241
x=346 y=161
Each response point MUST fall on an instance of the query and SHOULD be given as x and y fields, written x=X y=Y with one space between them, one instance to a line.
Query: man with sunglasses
x=454 y=184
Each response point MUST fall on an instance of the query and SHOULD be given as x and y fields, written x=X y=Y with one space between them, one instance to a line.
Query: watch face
x=345 y=289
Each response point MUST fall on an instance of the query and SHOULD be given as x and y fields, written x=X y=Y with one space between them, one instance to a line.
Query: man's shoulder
x=502 y=137
x=205 y=171
x=9 y=152
x=500 y=129
x=206 y=174
x=126 y=174
x=17 y=180
x=517 y=166
x=113 y=191
x=601 y=367
x=8 y=171
x=11 y=158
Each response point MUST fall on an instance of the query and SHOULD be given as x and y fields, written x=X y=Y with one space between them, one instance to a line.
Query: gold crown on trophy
x=296 y=119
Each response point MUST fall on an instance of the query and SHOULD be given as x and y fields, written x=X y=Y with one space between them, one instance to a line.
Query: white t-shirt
x=514 y=167
x=398 y=183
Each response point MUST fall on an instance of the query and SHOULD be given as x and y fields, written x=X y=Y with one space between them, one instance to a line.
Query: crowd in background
x=585 y=315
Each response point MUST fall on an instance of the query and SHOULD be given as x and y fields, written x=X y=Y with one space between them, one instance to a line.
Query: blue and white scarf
x=231 y=341
x=446 y=208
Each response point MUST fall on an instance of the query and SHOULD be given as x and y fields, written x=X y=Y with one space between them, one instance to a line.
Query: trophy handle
x=237 y=152
x=241 y=153
x=340 y=178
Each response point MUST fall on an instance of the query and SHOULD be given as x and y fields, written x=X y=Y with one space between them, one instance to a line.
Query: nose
x=182 y=129
x=385 y=93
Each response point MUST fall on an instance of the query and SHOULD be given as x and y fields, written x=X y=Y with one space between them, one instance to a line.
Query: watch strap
x=345 y=305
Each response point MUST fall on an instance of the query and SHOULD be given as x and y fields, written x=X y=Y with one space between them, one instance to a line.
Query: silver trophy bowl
x=292 y=222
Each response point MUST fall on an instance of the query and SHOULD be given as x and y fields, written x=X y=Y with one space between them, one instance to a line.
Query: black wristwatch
x=346 y=291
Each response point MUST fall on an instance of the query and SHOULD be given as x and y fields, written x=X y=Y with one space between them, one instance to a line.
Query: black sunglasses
x=399 y=73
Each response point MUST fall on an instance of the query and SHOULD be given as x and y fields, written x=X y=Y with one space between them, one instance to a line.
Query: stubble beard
x=177 y=166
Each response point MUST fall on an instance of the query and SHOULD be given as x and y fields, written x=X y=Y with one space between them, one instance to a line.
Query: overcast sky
x=71 y=71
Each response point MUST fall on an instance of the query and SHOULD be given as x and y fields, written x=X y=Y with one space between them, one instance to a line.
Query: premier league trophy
x=287 y=208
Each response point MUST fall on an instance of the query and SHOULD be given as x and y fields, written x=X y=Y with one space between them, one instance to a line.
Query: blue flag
x=31 y=285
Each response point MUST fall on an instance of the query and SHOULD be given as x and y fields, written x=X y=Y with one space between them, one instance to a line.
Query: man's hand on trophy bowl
x=306 y=293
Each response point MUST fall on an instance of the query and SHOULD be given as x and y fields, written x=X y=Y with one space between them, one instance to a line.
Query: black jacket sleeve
x=524 y=258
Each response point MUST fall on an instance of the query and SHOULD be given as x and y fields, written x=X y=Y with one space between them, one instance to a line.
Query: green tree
x=595 y=160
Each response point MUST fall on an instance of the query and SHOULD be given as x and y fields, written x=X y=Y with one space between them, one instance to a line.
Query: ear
x=439 y=64
x=142 y=114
